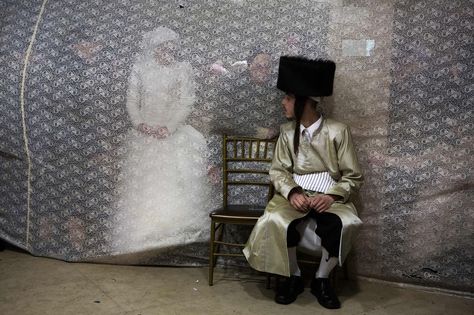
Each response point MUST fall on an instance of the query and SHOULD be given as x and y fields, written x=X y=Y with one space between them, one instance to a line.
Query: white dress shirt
x=319 y=181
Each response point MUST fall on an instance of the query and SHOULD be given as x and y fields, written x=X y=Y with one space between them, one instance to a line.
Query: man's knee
x=292 y=235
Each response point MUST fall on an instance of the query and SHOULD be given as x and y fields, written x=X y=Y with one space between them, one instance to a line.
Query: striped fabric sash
x=320 y=181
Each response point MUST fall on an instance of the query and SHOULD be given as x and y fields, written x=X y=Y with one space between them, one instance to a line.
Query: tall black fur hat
x=305 y=77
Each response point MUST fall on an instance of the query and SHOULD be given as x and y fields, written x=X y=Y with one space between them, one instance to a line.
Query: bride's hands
x=157 y=132
x=161 y=132
x=144 y=128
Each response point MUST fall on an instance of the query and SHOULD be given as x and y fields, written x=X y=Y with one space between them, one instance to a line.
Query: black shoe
x=289 y=290
x=323 y=291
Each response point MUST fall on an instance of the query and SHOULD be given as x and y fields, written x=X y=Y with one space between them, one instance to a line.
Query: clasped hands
x=156 y=132
x=303 y=203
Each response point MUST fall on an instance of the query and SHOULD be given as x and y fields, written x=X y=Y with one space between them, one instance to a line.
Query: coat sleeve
x=351 y=174
x=281 y=170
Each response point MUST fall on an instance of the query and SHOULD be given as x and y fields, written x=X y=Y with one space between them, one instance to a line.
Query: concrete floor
x=32 y=285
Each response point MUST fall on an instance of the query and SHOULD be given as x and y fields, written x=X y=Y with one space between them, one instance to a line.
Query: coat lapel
x=320 y=144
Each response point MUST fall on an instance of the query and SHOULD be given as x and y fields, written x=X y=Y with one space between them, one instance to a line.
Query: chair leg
x=220 y=234
x=212 y=260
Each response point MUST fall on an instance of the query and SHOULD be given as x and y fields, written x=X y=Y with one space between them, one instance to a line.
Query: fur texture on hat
x=306 y=77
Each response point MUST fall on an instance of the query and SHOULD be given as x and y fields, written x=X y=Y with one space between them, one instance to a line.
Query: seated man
x=315 y=172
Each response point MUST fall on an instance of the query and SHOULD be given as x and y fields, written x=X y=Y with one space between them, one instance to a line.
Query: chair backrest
x=246 y=162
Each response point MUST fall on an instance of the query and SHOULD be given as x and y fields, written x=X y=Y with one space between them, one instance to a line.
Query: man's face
x=288 y=103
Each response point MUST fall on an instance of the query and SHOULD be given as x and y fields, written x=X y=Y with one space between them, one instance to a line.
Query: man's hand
x=321 y=202
x=299 y=201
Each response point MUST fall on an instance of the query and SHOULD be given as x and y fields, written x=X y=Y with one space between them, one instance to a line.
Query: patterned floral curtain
x=112 y=111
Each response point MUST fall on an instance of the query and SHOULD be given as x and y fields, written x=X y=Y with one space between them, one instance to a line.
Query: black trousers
x=329 y=227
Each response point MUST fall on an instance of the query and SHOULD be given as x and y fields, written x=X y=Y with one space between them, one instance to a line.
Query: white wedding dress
x=164 y=193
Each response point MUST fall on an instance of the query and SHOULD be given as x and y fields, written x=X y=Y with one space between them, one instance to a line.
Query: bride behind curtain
x=164 y=194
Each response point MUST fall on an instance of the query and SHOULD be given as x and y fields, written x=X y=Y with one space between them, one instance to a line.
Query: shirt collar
x=311 y=129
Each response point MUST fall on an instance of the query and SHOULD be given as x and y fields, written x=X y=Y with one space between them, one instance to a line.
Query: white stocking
x=326 y=265
x=310 y=242
x=294 y=268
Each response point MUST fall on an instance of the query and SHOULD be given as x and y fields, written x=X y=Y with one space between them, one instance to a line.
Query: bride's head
x=160 y=45
x=165 y=53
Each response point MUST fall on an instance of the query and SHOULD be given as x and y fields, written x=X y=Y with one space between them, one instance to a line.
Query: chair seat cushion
x=250 y=212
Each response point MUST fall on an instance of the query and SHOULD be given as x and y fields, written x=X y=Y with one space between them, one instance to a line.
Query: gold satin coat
x=330 y=150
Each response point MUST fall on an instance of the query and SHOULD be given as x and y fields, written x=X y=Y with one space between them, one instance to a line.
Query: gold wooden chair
x=245 y=162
